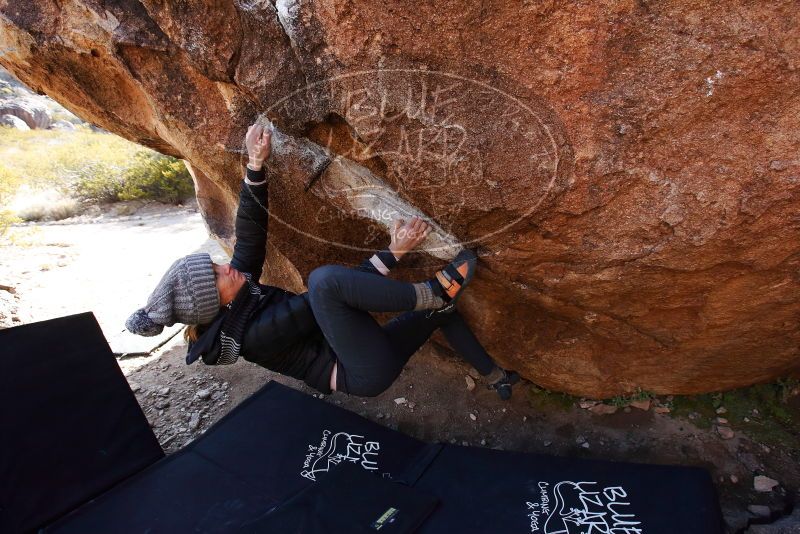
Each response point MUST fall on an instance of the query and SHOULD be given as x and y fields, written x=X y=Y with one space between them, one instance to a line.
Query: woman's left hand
x=257 y=141
x=406 y=235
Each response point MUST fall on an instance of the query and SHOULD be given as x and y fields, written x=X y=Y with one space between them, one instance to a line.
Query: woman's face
x=229 y=282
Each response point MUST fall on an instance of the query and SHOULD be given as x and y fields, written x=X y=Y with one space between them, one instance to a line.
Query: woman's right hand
x=257 y=141
x=406 y=235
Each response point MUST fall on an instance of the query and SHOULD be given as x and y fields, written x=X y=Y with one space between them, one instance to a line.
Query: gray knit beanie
x=186 y=294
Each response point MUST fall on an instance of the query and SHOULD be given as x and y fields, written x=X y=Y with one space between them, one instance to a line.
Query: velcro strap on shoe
x=454 y=274
x=444 y=280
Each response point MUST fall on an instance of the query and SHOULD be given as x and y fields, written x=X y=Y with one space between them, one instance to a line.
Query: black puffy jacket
x=282 y=333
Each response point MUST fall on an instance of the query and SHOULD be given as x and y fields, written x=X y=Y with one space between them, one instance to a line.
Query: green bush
x=93 y=166
x=7 y=218
x=148 y=176
x=9 y=182
x=95 y=181
x=49 y=158
x=157 y=177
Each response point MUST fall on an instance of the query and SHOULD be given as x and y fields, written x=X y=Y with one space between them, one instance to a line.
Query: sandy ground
x=109 y=264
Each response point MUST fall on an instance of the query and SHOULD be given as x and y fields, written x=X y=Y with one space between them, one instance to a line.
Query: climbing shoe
x=503 y=385
x=449 y=283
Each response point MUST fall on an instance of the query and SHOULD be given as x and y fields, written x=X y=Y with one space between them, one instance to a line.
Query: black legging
x=372 y=356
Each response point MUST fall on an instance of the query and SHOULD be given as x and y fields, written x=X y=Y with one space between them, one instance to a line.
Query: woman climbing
x=326 y=336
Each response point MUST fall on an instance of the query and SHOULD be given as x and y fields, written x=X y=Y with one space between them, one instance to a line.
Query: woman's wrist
x=383 y=261
x=255 y=164
x=396 y=253
x=255 y=177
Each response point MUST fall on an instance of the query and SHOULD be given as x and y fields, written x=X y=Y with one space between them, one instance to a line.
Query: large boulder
x=32 y=111
x=13 y=122
x=62 y=125
x=627 y=170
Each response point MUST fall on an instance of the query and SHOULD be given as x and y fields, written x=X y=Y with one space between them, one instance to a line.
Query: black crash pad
x=278 y=442
x=348 y=499
x=521 y=492
x=266 y=450
x=71 y=427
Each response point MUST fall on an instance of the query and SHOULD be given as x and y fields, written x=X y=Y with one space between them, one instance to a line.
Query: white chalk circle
x=449 y=145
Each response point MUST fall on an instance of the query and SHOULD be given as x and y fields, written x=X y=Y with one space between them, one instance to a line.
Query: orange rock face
x=628 y=171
